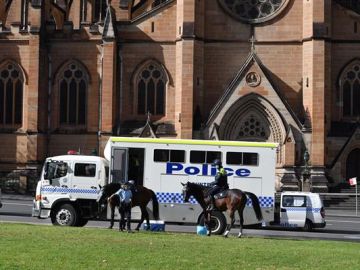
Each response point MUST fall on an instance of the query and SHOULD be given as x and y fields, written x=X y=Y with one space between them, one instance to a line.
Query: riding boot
x=211 y=206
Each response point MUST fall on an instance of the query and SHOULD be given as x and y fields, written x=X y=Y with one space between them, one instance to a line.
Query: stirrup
x=210 y=207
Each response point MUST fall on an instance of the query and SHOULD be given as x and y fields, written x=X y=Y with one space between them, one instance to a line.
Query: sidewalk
x=341 y=213
x=19 y=197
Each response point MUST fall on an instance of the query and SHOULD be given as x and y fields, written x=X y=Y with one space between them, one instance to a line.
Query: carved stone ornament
x=253 y=79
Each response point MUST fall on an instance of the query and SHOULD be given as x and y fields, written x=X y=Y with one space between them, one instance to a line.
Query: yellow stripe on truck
x=194 y=142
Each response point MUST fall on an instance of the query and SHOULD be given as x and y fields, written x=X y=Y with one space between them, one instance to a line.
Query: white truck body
x=79 y=187
x=162 y=165
x=166 y=163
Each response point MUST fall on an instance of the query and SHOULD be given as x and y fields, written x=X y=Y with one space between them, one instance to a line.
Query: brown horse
x=140 y=198
x=234 y=200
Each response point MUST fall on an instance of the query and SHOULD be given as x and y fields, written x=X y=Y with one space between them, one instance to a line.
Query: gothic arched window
x=73 y=84
x=350 y=90
x=11 y=94
x=151 y=89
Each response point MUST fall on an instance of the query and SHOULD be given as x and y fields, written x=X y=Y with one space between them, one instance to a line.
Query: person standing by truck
x=125 y=197
x=220 y=183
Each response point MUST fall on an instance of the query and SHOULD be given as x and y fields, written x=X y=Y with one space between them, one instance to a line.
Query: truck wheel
x=64 y=215
x=308 y=226
x=217 y=222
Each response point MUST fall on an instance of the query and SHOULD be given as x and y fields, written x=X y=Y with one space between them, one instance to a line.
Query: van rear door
x=119 y=165
x=293 y=210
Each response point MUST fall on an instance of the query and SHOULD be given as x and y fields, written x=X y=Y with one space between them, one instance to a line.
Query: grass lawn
x=50 y=247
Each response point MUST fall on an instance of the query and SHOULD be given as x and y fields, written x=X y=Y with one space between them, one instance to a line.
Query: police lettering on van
x=175 y=168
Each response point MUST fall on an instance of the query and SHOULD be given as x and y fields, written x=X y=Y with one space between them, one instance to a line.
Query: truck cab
x=68 y=189
x=301 y=210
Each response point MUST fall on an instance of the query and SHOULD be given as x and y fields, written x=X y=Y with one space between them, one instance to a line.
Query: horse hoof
x=137 y=229
x=110 y=227
x=239 y=235
x=226 y=234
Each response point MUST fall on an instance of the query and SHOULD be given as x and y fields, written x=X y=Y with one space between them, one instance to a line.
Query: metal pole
x=356 y=198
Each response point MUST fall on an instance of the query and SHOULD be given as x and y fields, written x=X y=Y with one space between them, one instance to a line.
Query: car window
x=293 y=201
x=85 y=169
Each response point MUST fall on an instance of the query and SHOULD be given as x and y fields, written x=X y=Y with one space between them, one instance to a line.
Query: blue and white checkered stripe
x=301 y=209
x=168 y=197
x=68 y=190
x=263 y=200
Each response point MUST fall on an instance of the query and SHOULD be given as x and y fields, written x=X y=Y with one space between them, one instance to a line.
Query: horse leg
x=232 y=221
x=141 y=219
x=146 y=215
x=207 y=219
x=241 y=214
x=112 y=217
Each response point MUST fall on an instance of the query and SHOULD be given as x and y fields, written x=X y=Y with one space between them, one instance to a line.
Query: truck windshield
x=48 y=170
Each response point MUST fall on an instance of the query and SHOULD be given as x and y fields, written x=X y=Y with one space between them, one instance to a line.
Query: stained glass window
x=253 y=11
x=151 y=83
x=73 y=89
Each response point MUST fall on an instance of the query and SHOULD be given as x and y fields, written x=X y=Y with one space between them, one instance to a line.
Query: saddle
x=221 y=194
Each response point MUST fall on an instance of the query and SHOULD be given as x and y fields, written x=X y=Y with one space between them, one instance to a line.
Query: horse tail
x=255 y=204
x=155 y=205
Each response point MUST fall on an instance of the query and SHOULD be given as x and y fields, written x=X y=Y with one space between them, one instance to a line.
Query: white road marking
x=356 y=236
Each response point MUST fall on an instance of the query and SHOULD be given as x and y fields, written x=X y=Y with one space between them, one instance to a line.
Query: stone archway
x=352 y=164
x=253 y=118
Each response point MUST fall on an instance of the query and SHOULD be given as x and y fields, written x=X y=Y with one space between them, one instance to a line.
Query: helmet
x=217 y=162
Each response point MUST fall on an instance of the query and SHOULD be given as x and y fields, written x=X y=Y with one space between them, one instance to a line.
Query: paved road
x=343 y=228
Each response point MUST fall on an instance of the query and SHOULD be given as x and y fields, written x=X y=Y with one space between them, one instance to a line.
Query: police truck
x=162 y=165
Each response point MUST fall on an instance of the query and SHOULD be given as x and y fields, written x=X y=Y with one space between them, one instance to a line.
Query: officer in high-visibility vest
x=219 y=184
x=125 y=196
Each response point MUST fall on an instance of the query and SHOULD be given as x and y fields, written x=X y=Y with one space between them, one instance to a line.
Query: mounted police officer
x=218 y=185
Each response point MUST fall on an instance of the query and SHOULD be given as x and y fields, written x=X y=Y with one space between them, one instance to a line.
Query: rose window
x=252 y=127
x=253 y=11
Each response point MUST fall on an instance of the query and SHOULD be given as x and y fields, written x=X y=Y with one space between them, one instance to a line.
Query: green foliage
x=51 y=247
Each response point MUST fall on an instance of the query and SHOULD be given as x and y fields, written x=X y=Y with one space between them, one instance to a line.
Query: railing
x=14 y=185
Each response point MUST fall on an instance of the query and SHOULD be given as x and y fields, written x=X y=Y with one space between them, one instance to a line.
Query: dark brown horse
x=140 y=198
x=234 y=200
